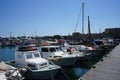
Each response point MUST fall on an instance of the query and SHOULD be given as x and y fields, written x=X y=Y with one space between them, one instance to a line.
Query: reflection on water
x=70 y=73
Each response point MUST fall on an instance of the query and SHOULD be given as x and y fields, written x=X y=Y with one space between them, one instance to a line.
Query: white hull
x=68 y=61
x=45 y=73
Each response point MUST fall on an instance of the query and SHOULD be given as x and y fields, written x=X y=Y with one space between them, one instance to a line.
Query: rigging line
x=77 y=20
x=93 y=28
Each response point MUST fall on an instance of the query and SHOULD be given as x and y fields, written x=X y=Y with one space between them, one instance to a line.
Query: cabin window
x=44 y=50
x=19 y=56
x=36 y=55
x=58 y=49
x=29 y=56
x=52 y=50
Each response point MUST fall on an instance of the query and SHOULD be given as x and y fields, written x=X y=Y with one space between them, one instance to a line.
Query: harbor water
x=67 y=73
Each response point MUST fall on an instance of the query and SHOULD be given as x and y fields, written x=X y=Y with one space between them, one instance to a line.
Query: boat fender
x=22 y=70
x=57 y=58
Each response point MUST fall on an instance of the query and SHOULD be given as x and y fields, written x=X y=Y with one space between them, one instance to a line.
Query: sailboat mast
x=82 y=18
x=89 y=32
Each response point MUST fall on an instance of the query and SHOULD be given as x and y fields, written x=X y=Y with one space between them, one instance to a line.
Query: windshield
x=29 y=56
x=36 y=55
x=52 y=50
x=44 y=50
x=32 y=55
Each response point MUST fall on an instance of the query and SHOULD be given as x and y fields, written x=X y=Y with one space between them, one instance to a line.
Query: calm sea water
x=7 y=53
x=68 y=73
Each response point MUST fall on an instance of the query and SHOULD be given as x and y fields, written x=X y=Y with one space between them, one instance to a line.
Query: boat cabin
x=29 y=56
x=50 y=52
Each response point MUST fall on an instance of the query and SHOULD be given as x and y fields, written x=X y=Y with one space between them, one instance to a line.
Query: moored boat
x=55 y=54
x=8 y=72
x=37 y=67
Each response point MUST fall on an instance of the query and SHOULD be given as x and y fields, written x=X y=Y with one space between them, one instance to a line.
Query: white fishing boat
x=71 y=50
x=80 y=51
x=83 y=48
x=8 y=72
x=37 y=67
x=89 y=51
x=57 y=56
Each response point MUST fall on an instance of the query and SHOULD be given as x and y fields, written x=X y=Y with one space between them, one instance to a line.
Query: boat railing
x=27 y=48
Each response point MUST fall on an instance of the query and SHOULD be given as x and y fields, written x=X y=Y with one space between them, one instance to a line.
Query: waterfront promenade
x=106 y=69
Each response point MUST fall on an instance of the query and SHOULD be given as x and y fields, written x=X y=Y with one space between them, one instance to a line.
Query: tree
x=57 y=37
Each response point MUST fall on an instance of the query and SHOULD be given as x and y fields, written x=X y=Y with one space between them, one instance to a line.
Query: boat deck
x=3 y=67
x=108 y=69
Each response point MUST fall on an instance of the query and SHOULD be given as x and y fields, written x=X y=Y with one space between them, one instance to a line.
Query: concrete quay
x=106 y=69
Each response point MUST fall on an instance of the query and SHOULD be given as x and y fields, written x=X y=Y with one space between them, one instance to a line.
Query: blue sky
x=51 y=17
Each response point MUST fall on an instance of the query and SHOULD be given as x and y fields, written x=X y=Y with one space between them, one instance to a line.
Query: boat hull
x=90 y=54
x=64 y=62
x=97 y=52
x=48 y=73
x=79 y=55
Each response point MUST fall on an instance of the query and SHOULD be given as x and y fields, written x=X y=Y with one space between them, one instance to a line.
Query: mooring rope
x=51 y=75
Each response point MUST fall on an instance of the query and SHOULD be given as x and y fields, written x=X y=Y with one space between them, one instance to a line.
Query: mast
x=82 y=21
x=89 y=32
x=100 y=33
x=10 y=35
x=83 y=18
